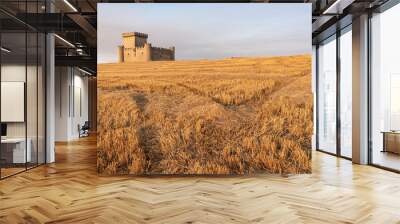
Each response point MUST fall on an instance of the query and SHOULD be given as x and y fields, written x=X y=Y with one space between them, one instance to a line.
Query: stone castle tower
x=136 y=48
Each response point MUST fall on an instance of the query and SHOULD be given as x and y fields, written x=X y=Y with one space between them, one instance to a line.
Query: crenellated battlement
x=136 y=34
x=136 y=48
x=162 y=49
x=146 y=45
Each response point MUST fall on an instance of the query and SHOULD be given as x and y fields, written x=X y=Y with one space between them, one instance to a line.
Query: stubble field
x=231 y=116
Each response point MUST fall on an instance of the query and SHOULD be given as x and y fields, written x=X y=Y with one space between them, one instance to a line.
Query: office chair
x=84 y=130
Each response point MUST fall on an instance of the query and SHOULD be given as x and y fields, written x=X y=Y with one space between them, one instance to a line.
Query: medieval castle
x=136 y=48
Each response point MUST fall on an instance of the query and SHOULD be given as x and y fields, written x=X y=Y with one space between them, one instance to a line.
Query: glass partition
x=13 y=94
x=327 y=95
x=31 y=98
x=385 y=89
x=22 y=78
x=346 y=92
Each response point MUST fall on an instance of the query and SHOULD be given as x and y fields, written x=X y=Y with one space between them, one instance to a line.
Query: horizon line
x=215 y=59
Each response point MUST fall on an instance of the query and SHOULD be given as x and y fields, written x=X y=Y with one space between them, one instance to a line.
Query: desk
x=13 y=150
x=391 y=141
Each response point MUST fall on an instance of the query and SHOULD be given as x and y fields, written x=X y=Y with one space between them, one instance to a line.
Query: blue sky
x=208 y=31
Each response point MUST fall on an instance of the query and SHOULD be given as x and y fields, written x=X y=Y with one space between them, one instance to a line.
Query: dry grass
x=232 y=116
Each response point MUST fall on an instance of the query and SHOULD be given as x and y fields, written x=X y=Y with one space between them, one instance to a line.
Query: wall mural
x=223 y=95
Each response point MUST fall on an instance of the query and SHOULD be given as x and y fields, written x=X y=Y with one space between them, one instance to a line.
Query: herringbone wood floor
x=70 y=191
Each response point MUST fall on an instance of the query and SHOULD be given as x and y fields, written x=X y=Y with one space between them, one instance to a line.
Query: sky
x=208 y=31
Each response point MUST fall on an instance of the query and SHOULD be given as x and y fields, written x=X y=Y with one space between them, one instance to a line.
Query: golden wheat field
x=230 y=116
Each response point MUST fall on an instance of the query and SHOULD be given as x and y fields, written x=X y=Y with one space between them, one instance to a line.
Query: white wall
x=62 y=83
x=81 y=89
x=13 y=72
x=13 y=101
x=70 y=84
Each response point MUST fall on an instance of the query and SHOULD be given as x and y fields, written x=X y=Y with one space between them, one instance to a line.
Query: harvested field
x=231 y=116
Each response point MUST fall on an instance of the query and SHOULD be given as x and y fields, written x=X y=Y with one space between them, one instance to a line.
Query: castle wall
x=120 y=53
x=129 y=42
x=140 y=41
x=162 y=54
x=143 y=53
x=129 y=54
